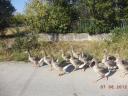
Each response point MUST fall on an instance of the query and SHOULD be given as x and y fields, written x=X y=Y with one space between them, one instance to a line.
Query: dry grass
x=13 y=30
x=91 y=47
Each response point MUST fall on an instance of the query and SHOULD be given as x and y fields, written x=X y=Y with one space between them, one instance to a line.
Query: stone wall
x=73 y=37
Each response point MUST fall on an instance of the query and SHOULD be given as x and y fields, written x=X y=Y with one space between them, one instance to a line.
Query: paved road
x=21 y=79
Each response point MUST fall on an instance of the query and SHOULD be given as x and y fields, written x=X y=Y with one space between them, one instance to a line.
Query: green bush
x=119 y=34
x=30 y=41
x=107 y=13
x=18 y=20
x=54 y=17
x=57 y=20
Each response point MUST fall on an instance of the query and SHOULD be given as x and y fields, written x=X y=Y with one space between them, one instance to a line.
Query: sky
x=19 y=5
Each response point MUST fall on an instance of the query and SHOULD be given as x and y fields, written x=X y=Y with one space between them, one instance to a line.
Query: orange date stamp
x=112 y=87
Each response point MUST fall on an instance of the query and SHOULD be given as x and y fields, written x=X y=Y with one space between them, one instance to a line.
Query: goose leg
x=33 y=65
x=61 y=73
x=106 y=77
x=37 y=65
x=51 y=67
x=102 y=78
x=74 y=68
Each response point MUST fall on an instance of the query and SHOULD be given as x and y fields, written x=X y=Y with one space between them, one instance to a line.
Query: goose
x=109 y=61
x=82 y=57
x=85 y=61
x=36 y=61
x=103 y=72
x=75 y=62
x=65 y=57
x=47 y=59
x=75 y=55
x=84 y=66
x=61 y=70
x=122 y=65
x=106 y=56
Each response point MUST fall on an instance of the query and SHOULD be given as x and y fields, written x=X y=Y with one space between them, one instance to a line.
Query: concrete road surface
x=21 y=79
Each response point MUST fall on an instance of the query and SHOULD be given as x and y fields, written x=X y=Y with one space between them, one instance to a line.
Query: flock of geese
x=82 y=61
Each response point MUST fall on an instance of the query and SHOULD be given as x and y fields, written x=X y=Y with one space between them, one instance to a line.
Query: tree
x=36 y=13
x=55 y=16
x=107 y=13
x=18 y=19
x=6 y=12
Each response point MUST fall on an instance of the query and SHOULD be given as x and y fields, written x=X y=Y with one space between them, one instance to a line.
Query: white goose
x=103 y=72
x=36 y=61
x=75 y=62
x=109 y=61
x=83 y=59
x=76 y=55
x=47 y=59
x=65 y=57
x=122 y=64
x=61 y=70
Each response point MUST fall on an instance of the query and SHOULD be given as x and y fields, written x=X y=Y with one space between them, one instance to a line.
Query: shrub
x=30 y=41
x=119 y=34
x=53 y=17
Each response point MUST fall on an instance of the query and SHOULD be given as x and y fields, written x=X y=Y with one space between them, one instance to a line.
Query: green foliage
x=57 y=20
x=36 y=13
x=6 y=12
x=82 y=9
x=107 y=13
x=30 y=41
x=119 y=34
x=57 y=16
x=18 y=19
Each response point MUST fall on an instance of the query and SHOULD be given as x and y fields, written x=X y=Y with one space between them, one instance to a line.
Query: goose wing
x=78 y=62
x=103 y=70
x=111 y=63
x=63 y=63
